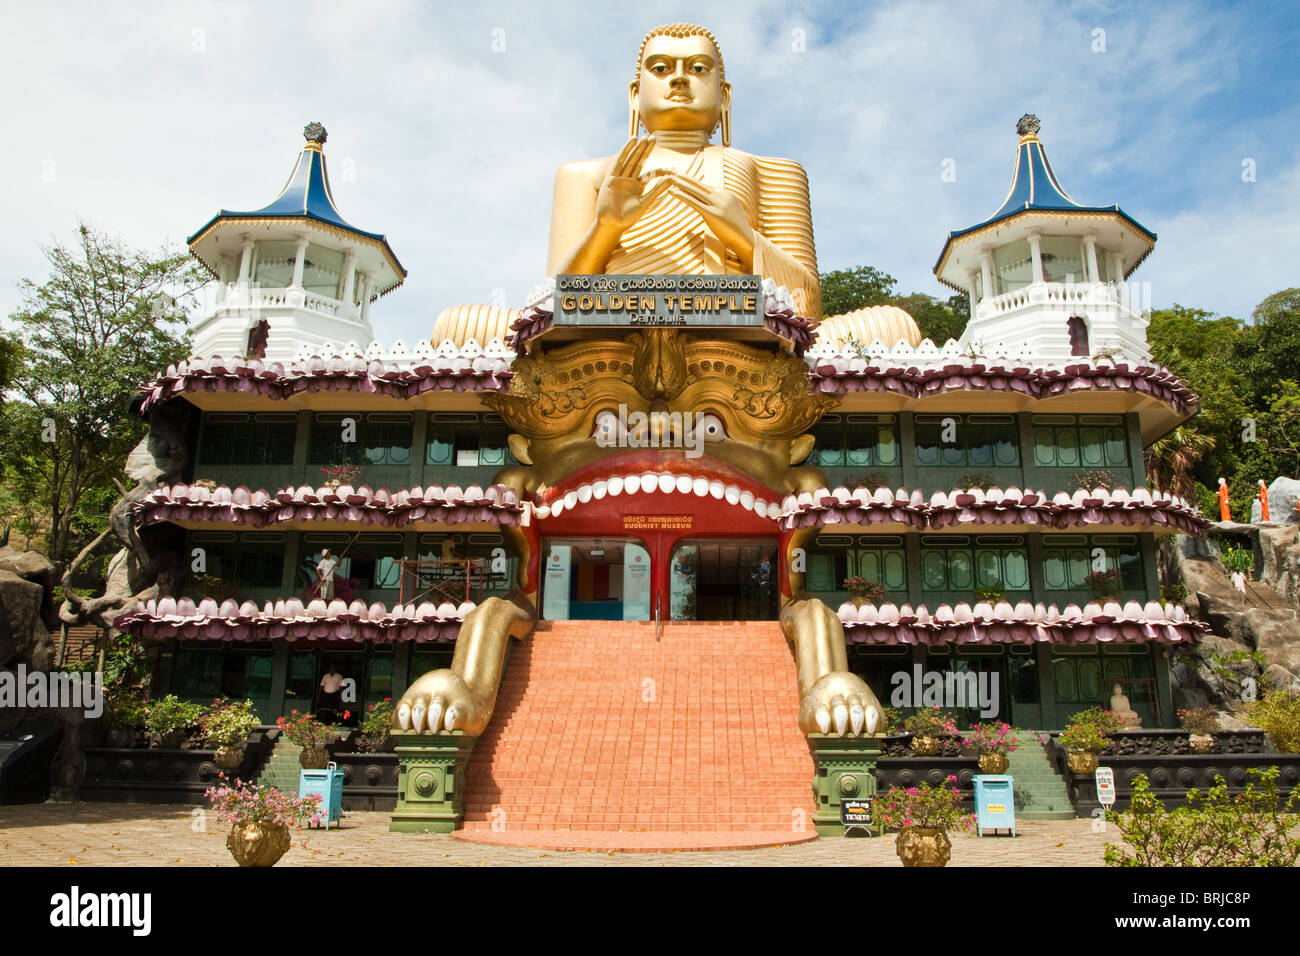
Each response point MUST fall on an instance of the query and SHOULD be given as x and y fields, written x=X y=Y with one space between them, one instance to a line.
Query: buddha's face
x=679 y=85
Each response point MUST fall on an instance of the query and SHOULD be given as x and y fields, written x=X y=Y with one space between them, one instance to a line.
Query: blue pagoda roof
x=306 y=196
x=1035 y=188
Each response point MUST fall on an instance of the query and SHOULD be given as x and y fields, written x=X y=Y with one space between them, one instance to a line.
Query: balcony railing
x=1064 y=296
x=254 y=298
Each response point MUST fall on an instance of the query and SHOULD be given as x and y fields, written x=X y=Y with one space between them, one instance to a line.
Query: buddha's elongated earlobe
x=726 y=114
x=634 y=114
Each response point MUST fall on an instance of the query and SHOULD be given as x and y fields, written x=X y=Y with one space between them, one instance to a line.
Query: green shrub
x=228 y=723
x=168 y=715
x=1278 y=715
x=1217 y=829
x=1238 y=559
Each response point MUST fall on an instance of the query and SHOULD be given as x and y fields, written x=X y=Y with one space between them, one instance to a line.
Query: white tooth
x=599 y=489
x=666 y=483
x=542 y=511
x=584 y=494
x=841 y=719
x=435 y=715
x=717 y=489
x=733 y=494
x=760 y=508
x=684 y=484
x=404 y=716
x=824 y=720
x=747 y=500
x=632 y=484
x=855 y=719
x=615 y=486
x=873 y=717
x=570 y=499
x=449 y=721
x=417 y=716
x=700 y=486
x=557 y=508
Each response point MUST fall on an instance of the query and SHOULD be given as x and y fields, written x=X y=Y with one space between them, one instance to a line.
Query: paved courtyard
x=108 y=834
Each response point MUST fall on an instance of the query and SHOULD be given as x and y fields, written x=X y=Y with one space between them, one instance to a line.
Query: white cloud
x=454 y=146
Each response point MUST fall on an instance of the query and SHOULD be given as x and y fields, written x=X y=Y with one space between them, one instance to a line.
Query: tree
x=844 y=290
x=1169 y=461
x=106 y=320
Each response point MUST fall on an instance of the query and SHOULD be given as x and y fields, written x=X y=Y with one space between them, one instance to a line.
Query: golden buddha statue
x=674 y=203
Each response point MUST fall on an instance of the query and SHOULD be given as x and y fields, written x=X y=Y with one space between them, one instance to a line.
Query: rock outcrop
x=1254 y=638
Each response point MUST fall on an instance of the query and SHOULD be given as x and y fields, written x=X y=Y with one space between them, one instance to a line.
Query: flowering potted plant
x=1105 y=584
x=260 y=818
x=309 y=734
x=1200 y=724
x=376 y=727
x=168 y=721
x=338 y=475
x=226 y=726
x=992 y=741
x=865 y=591
x=923 y=816
x=929 y=726
x=1085 y=737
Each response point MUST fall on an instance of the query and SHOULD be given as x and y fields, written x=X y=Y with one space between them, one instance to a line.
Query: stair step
x=598 y=725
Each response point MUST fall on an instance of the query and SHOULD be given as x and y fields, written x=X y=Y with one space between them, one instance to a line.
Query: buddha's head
x=681 y=83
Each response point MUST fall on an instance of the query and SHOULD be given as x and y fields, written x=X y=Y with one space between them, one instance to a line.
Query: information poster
x=636 y=583
x=555 y=586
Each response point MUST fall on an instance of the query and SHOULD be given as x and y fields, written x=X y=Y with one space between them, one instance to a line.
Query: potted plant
x=124 y=715
x=226 y=727
x=309 y=734
x=1085 y=737
x=992 y=595
x=1200 y=724
x=338 y=475
x=1105 y=584
x=376 y=728
x=168 y=721
x=923 y=816
x=865 y=591
x=260 y=818
x=929 y=726
x=992 y=741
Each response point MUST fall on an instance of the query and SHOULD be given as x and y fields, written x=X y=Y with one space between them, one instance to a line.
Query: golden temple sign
x=728 y=301
x=658 y=522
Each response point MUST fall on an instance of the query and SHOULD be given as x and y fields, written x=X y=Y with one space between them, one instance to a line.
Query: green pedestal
x=846 y=767
x=430 y=786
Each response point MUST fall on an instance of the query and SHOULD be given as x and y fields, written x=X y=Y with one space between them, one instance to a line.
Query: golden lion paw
x=438 y=701
x=844 y=701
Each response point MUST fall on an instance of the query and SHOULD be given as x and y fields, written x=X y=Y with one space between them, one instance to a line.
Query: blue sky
x=147 y=119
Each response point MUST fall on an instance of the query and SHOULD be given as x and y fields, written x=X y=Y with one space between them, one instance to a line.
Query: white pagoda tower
x=292 y=274
x=1047 y=271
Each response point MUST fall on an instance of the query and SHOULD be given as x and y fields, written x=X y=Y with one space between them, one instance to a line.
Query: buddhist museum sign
x=629 y=301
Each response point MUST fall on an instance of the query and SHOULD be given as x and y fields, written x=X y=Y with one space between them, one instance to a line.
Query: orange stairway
x=606 y=738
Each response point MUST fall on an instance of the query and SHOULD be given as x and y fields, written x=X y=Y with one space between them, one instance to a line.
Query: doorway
x=724 y=580
x=596 y=579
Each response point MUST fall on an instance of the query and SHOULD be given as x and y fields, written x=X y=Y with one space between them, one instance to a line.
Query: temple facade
x=977 y=506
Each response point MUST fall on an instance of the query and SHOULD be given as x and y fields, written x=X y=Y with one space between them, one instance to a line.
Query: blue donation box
x=994 y=803
x=328 y=785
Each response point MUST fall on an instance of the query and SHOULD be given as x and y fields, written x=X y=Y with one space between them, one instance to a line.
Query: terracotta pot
x=317 y=759
x=994 y=763
x=230 y=756
x=1200 y=743
x=923 y=846
x=926 y=746
x=258 y=844
x=1081 y=762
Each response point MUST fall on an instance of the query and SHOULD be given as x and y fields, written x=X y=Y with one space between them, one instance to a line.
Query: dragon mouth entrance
x=701 y=483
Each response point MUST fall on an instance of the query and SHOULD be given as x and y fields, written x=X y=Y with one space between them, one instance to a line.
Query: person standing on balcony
x=325 y=574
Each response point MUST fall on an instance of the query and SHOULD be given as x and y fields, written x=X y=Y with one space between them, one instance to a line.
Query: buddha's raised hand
x=624 y=194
